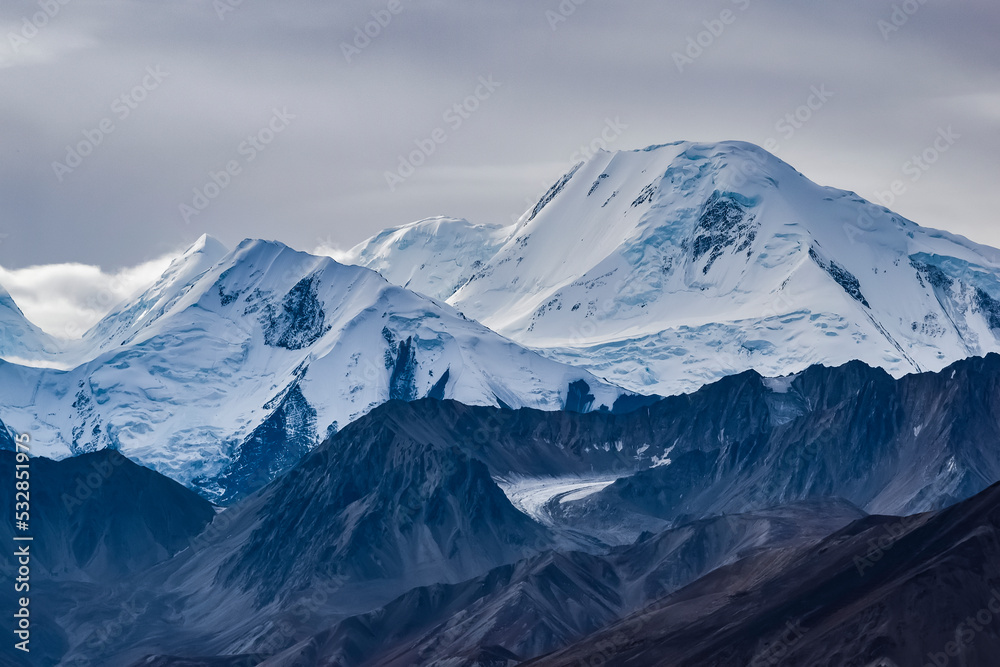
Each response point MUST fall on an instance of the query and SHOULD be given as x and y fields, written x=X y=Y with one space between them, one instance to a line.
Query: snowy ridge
x=127 y=319
x=435 y=256
x=667 y=268
x=217 y=374
x=19 y=338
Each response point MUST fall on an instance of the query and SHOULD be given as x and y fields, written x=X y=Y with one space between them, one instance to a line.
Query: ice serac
x=227 y=370
x=667 y=268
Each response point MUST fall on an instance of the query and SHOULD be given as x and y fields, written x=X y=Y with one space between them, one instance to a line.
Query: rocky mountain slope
x=525 y=609
x=882 y=592
x=415 y=498
x=96 y=521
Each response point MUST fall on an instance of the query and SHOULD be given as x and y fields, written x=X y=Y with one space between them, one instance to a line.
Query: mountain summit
x=666 y=268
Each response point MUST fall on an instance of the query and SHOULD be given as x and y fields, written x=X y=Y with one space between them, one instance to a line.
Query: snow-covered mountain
x=225 y=372
x=126 y=320
x=435 y=256
x=666 y=268
x=23 y=342
x=19 y=338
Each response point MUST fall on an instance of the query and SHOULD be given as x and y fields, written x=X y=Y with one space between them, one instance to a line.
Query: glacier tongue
x=670 y=267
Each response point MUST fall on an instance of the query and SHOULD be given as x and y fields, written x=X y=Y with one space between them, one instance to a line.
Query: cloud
x=329 y=248
x=65 y=300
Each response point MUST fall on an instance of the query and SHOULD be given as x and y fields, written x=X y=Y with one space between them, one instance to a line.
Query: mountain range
x=403 y=539
x=690 y=409
x=640 y=273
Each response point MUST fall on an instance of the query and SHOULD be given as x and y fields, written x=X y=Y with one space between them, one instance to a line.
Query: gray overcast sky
x=321 y=181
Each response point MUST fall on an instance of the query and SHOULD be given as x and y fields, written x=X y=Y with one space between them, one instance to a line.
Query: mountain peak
x=434 y=256
x=208 y=245
x=20 y=340
x=668 y=267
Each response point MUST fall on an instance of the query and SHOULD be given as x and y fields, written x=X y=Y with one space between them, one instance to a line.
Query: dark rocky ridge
x=96 y=520
x=546 y=601
x=882 y=591
x=99 y=516
x=889 y=446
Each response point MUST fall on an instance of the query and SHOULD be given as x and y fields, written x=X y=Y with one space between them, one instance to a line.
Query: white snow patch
x=664 y=460
x=780 y=385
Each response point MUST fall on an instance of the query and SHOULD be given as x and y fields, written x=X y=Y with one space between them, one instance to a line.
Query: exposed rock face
x=299 y=321
x=97 y=517
x=273 y=447
x=881 y=592
x=542 y=603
